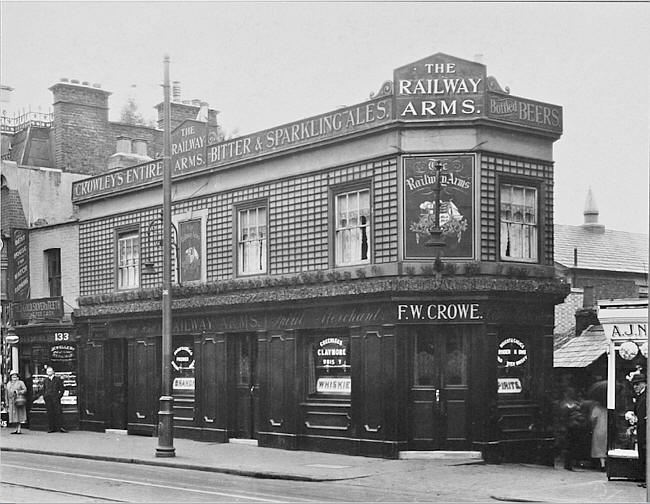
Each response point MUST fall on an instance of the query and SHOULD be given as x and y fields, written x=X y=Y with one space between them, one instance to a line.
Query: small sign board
x=509 y=385
x=39 y=309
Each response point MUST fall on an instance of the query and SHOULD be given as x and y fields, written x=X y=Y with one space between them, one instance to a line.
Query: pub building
x=309 y=311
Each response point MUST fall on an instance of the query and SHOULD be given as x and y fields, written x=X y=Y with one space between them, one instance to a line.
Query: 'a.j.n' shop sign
x=439 y=87
x=456 y=215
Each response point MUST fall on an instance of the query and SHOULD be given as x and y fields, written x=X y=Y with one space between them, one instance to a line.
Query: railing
x=16 y=123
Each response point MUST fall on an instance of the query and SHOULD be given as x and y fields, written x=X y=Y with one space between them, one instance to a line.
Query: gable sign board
x=439 y=87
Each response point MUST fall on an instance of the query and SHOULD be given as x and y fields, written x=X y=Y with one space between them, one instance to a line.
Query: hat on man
x=639 y=378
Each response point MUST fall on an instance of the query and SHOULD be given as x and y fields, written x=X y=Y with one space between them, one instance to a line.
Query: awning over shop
x=582 y=350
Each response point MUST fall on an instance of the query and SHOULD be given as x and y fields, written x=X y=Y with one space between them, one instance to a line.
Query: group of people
x=583 y=425
x=16 y=401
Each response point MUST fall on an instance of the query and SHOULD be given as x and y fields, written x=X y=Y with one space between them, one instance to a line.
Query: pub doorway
x=116 y=379
x=439 y=394
x=245 y=386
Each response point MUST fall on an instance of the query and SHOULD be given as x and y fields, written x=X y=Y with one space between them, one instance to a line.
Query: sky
x=262 y=64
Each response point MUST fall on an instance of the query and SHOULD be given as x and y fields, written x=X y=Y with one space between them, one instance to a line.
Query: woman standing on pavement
x=598 y=419
x=16 y=401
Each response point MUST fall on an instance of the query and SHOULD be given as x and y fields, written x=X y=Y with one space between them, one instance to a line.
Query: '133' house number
x=61 y=336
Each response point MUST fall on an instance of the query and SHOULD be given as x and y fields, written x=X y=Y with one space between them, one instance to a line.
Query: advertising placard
x=456 y=205
x=38 y=309
x=19 y=257
x=190 y=249
x=516 y=110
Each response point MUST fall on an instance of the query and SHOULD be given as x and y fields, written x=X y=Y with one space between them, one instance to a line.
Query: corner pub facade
x=308 y=311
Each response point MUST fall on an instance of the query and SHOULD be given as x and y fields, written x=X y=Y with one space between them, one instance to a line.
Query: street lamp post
x=435 y=231
x=165 y=446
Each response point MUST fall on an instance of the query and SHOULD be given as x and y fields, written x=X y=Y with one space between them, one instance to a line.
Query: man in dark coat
x=52 y=393
x=639 y=383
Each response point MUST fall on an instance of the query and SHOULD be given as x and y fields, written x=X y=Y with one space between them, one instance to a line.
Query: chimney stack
x=176 y=91
x=591 y=214
x=123 y=145
x=139 y=146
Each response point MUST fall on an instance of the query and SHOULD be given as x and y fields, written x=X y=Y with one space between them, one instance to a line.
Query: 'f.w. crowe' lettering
x=442 y=311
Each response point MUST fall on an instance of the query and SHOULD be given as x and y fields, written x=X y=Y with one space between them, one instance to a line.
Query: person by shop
x=52 y=393
x=639 y=382
x=16 y=401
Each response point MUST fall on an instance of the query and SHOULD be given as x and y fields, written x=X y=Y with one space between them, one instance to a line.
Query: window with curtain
x=128 y=260
x=352 y=227
x=519 y=223
x=252 y=238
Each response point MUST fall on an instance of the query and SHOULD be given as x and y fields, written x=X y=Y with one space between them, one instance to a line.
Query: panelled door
x=117 y=382
x=439 y=387
x=246 y=386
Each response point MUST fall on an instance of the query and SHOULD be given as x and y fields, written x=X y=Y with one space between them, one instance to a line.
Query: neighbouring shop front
x=43 y=344
x=371 y=375
x=625 y=322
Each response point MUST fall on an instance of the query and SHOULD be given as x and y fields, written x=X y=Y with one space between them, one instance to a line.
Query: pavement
x=448 y=478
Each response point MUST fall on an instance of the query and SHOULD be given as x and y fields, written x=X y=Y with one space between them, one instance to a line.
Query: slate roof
x=582 y=350
x=607 y=249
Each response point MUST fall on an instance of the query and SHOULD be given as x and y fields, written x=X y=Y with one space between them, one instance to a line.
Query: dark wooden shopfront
x=253 y=373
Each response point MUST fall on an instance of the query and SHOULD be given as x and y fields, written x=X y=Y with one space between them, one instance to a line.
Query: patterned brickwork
x=298 y=226
x=490 y=167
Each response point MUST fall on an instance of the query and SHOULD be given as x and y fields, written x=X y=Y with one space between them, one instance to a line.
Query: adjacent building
x=310 y=310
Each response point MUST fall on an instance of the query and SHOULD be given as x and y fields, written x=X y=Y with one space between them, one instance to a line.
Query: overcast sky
x=266 y=63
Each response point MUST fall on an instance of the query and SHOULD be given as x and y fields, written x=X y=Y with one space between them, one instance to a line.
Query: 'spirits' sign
x=439 y=87
x=526 y=112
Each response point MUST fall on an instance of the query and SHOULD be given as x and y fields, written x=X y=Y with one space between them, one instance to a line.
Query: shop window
x=128 y=260
x=191 y=246
x=352 y=227
x=53 y=261
x=455 y=361
x=329 y=366
x=519 y=223
x=251 y=241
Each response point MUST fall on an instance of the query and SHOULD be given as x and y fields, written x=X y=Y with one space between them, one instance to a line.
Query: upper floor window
x=352 y=229
x=53 y=261
x=251 y=241
x=519 y=223
x=128 y=260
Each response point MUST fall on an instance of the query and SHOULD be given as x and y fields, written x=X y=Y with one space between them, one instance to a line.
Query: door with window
x=117 y=382
x=439 y=388
x=246 y=386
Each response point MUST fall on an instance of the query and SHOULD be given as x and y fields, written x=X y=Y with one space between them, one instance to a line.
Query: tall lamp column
x=165 y=446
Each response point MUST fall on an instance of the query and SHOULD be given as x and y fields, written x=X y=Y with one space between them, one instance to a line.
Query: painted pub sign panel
x=439 y=87
x=456 y=205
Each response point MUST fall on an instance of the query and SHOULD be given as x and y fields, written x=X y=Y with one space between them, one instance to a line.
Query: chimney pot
x=98 y=86
x=123 y=145
x=64 y=79
x=74 y=81
x=196 y=103
x=85 y=83
x=176 y=91
x=140 y=146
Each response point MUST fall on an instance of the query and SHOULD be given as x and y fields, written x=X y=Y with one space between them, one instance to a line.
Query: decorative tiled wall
x=298 y=226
